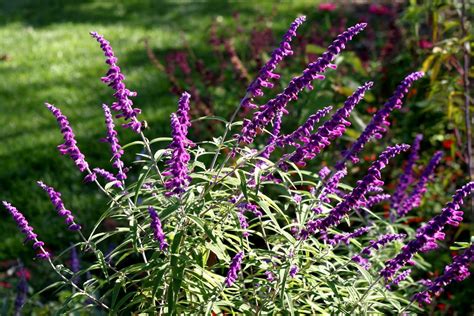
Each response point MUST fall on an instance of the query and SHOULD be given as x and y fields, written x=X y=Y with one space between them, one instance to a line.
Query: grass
x=51 y=58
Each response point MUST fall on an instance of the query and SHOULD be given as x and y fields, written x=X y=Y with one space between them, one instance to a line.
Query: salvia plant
x=249 y=223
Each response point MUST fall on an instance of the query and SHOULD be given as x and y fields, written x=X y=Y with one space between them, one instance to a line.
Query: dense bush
x=230 y=225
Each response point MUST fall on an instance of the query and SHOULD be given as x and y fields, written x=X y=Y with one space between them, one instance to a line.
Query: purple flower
x=402 y=276
x=155 y=225
x=234 y=269
x=293 y=271
x=377 y=125
x=266 y=73
x=407 y=177
x=267 y=112
x=414 y=199
x=302 y=133
x=112 y=139
x=270 y=276
x=350 y=201
x=70 y=145
x=375 y=244
x=58 y=204
x=427 y=235
x=177 y=165
x=373 y=200
x=346 y=237
x=108 y=176
x=324 y=172
x=114 y=79
x=458 y=270
x=249 y=207
x=271 y=143
x=331 y=185
x=243 y=223
x=27 y=230
x=330 y=130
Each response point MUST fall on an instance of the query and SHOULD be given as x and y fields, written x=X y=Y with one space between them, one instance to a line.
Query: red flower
x=327 y=7
x=379 y=9
x=424 y=44
x=448 y=143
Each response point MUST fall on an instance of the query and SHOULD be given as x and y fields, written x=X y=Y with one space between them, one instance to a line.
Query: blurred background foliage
x=213 y=49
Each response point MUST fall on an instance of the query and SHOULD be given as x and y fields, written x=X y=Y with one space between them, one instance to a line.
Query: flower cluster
x=267 y=112
x=427 y=235
x=155 y=225
x=414 y=199
x=375 y=244
x=407 y=177
x=27 y=230
x=458 y=270
x=178 y=163
x=266 y=73
x=331 y=185
x=112 y=139
x=350 y=201
x=234 y=269
x=377 y=125
x=70 y=145
x=302 y=133
x=108 y=176
x=330 y=130
x=55 y=198
x=346 y=237
x=114 y=78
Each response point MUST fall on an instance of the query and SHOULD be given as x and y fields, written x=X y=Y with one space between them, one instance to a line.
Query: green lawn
x=50 y=57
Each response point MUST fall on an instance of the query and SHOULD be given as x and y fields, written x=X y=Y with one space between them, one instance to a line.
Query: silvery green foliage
x=218 y=226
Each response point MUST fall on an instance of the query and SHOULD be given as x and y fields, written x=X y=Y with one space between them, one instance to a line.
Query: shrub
x=228 y=225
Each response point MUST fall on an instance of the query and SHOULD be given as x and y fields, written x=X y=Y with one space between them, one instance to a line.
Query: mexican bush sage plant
x=250 y=224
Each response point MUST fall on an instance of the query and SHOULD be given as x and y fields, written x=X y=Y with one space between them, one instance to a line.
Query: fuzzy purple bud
x=302 y=133
x=324 y=172
x=414 y=200
x=112 y=139
x=458 y=270
x=330 y=130
x=375 y=245
x=114 y=79
x=234 y=269
x=407 y=177
x=346 y=237
x=350 y=201
x=107 y=176
x=293 y=271
x=331 y=185
x=402 y=276
x=155 y=225
x=27 y=230
x=378 y=124
x=427 y=235
x=267 y=71
x=58 y=204
x=70 y=145
x=268 y=111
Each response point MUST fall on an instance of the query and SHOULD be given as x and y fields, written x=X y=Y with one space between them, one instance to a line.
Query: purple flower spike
x=427 y=235
x=331 y=185
x=27 y=230
x=266 y=73
x=324 y=172
x=377 y=125
x=346 y=237
x=243 y=223
x=330 y=130
x=70 y=145
x=402 y=276
x=293 y=271
x=302 y=133
x=114 y=79
x=155 y=225
x=177 y=165
x=108 y=176
x=458 y=270
x=270 y=276
x=350 y=201
x=112 y=139
x=58 y=204
x=268 y=111
x=234 y=269
x=272 y=140
x=407 y=177
x=371 y=201
x=375 y=245
x=249 y=207
x=414 y=200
